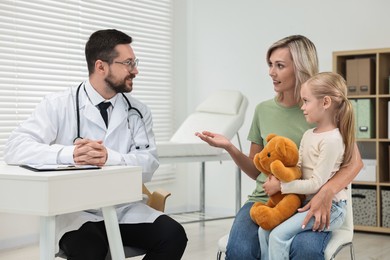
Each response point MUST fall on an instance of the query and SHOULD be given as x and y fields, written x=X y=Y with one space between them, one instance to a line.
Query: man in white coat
x=99 y=123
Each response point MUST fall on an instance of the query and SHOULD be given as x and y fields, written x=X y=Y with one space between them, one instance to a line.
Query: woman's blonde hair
x=304 y=55
x=334 y=86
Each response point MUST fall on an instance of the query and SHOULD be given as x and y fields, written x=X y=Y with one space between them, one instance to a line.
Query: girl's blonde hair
x=334 y=86
x=304 y=55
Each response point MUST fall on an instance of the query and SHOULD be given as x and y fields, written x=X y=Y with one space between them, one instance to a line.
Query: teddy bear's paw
x=279 y=170
x=282 y=211
x=268 y=218
x=256 y=210
x=263 y=216
x=257 y=204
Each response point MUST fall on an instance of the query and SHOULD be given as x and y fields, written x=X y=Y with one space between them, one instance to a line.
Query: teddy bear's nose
x=269 y=154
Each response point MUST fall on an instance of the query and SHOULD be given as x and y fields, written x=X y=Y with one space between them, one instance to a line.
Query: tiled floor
x=203 y=244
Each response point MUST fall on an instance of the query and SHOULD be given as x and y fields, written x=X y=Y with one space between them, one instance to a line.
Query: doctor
x=73 y=127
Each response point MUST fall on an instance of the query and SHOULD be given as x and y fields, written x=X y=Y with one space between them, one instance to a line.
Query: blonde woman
x=291 y=60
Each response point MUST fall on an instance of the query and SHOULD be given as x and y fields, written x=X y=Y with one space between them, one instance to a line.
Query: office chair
x=155 y=200
x=343 y=236
x=340 y=238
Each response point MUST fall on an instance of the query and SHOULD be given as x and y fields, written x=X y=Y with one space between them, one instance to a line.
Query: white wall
x=17 y=230
x=221 y=44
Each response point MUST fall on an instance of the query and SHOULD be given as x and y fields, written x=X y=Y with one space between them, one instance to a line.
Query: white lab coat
x=52 y=128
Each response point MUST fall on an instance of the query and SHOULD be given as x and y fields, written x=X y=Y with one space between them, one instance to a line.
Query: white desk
x=47 y=194
x=203 y=159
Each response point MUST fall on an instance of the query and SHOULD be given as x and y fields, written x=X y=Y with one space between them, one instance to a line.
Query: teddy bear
x=279 y=158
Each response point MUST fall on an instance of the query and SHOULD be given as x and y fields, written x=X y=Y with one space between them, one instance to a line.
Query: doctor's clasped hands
x=89 y=152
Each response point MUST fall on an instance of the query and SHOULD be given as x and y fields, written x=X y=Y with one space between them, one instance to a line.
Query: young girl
x=323 y=150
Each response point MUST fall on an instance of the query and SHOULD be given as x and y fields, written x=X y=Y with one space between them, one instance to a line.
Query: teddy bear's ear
x=288 y=149
x=281 y=147
x=269 y=137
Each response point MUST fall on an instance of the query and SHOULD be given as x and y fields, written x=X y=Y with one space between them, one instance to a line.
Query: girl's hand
x=271 y=186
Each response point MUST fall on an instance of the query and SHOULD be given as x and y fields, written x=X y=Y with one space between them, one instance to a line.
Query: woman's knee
x=309 y=245
x=243 y=240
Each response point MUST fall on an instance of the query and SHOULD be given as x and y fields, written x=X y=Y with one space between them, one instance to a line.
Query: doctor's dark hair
x=304 y=56
x=101 y=46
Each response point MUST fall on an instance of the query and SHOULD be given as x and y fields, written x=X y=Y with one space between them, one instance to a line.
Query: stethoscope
x=130 y=107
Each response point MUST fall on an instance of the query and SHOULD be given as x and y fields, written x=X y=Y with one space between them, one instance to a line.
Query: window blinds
x=42 y=51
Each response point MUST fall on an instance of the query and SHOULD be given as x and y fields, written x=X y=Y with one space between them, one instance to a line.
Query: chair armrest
x=157 y=198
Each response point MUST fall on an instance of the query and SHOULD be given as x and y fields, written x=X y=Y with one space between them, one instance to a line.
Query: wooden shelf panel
x=372 y=229
x=377 y=148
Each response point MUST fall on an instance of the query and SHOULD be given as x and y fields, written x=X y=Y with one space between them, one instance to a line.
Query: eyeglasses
x=131 y=64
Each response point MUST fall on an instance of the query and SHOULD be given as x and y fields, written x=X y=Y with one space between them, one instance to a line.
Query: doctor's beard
x=120 y=87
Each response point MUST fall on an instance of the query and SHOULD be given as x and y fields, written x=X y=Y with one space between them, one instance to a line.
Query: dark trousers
x=164 y=239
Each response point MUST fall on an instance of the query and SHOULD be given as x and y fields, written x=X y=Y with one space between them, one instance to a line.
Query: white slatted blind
x=42 y=50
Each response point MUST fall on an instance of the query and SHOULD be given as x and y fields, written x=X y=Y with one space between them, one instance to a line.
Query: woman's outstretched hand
x=214 y=139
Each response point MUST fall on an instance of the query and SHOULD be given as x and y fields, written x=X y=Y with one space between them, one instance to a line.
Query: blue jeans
x=275 y=244
x=244 y=241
